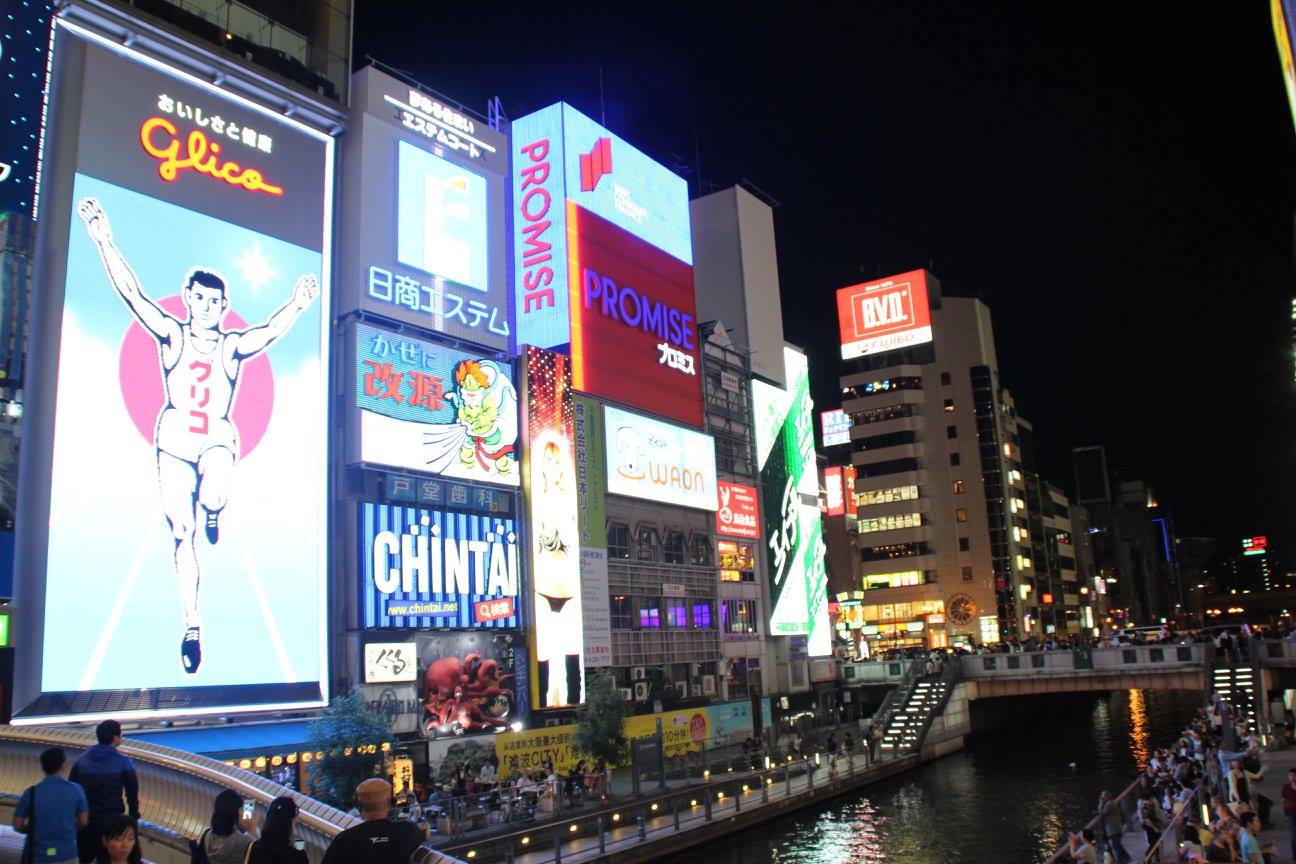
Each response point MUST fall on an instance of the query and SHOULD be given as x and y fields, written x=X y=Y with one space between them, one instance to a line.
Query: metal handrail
x=1092 y=824
x=1154 y=850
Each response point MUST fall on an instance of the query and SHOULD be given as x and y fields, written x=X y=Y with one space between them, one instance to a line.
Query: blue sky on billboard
x=431 y=408
x=122 y=645
x=432 y=568
x=442 y=221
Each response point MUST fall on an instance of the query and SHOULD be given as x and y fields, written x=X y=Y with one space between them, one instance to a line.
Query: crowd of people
x=1200 y=792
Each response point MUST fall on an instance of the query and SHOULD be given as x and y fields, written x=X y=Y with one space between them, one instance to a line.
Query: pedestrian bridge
x=1143 y=667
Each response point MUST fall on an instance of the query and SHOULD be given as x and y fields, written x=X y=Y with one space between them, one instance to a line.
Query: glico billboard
x=427 y=407
x=549 y=475
x=434 y=568
x=559 y=156
x=180 y=351
x=885 y=315
x=790 y=501
x=423 y=238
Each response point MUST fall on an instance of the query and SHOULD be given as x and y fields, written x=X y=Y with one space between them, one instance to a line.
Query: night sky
x=1116 y=180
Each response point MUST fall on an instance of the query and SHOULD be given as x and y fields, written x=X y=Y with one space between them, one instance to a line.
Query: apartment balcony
x=859 y=379
x=884 y=427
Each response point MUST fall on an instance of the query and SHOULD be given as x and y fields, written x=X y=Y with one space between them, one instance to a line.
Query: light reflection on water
x=1009 y=798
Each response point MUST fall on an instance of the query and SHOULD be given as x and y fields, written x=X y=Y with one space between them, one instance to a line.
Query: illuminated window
x=961 y=514
x=894 y=580
x=649 y=613
x=737 y=561
x=889 y=523
x=989 y=628
x=958 y=487
x=702 y=615
x=887 y=496
x=674 y=547
x=618 y=540
x=949 y=404
x=738 y=616
x=676 y=613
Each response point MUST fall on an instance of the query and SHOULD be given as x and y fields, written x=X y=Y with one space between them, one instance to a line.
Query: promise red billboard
x=633 y=321
x=884 y=315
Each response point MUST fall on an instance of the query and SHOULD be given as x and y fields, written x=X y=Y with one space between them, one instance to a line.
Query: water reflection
x=1009 y=798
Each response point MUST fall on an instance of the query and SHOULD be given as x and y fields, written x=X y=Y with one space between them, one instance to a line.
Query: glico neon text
x=201 y=155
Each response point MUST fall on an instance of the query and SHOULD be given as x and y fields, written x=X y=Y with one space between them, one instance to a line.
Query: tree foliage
x=601 y=721
x=351 y=736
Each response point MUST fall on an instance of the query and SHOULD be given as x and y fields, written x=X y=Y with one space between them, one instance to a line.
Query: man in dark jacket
x=376 y=840
x=111 y=788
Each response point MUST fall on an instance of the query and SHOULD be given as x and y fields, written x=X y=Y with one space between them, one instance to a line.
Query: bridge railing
x=1098 y=661
x=176 y=789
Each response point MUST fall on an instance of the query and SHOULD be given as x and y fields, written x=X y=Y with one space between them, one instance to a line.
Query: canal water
x=1008 y=798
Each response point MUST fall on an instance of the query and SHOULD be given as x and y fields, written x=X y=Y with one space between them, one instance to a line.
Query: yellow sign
x=682 y=732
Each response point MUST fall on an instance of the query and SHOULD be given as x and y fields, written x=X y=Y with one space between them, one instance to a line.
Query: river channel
x=1008 y=798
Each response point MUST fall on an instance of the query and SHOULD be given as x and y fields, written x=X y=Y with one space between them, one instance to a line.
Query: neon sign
x=201 y=155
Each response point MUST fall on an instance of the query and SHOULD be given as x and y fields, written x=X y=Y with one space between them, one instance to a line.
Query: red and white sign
x=633 y=321
x=493 y=610
x=1254 y=544
x=848 y=480
x=883 y=316
x=737 y=516
x=833 y=487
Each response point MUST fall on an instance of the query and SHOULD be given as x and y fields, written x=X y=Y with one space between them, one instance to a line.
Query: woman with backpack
x=275 y=845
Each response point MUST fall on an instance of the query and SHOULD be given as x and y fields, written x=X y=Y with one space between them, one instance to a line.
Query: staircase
x=920 y=702
x=1241 y=686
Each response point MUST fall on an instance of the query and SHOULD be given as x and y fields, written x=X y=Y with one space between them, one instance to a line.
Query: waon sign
x=737 y=516
x=885 y=315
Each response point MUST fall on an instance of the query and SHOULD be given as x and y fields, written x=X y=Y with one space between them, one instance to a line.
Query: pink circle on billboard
x=139 y=371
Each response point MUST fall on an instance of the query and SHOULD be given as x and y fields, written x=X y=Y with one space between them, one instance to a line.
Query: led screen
x=885 y=315
x=423 y=237
x=634 y=325
x=549 y=472
x=790 y=497
x=427 y=407
x=658 y=461
x=559 y=156
x=836 y=427
x=434 y=568
x=189 y=302
x=24 y=41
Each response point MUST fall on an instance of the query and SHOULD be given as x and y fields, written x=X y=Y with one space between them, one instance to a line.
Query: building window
x=895 y=580
x=889 y=523
x=618 y=540
x=676 y=613
x=738 y=616
x=886 y=385
x=887 y=496
x=958 y=487
x=620 y=609
x=951 y=432
x=674 y=548
x=889 y=439
x=700 y=551
x=649 y=613
x=965 y=545
x=967 y=574
x=702 y=615
x=945 y=378
x=961 y=514
x=649 y=544
x=737 y=561
x=880 y=415
x=890 y=466
x=949 y=404
x=954 y=460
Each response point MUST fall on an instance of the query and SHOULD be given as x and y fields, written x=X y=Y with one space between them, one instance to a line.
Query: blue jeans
x=1117 y=849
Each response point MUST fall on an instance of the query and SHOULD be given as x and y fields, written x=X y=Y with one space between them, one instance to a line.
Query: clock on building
x=961 y=608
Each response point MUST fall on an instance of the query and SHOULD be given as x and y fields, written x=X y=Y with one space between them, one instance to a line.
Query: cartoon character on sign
x=456 y=691
x=484 y=435
x=195 y=437
x=630 y=452
x=726 y=514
